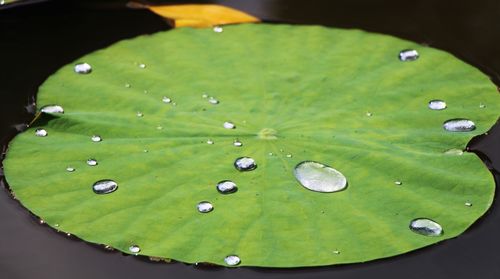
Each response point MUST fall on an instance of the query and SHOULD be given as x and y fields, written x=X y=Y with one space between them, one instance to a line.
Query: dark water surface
x=37 y=40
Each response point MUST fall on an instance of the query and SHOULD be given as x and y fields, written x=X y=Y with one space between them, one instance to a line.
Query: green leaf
x=299 y=93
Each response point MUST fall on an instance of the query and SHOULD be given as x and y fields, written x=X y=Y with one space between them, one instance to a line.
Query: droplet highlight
x=408 y=55
x=91 y=162
x=226 y=187
x=96 y=138
x=104 y=186
x=397 y=182
x=426 y=227
x=134 y=249
x=210 y=141
x=319 y=177
x=454 y=151
x=218 y=29
x=232 y=260
x=437 y=104
x=70 y=169
x=237 y=143
x=204 y=207
x=52 y=109
x=245 y=164
x=213 y=101
x=166 y=100
x=41 y=133
x=229 y=125
x=459 y=125
x=142 y=66
x=83 y=68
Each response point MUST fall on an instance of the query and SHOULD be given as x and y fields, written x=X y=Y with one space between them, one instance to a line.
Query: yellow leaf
x=201 y=15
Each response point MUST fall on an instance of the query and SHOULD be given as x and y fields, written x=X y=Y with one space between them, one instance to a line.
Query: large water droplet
x=245 y=164
x=426 y=227
x=96 y=138
x=408 y=55
x=232 y=260
x=91 y=162
x=52 y=109
x=226 y=187
x=437 y=104
x=319 y=177
x=134 y=249
x=459 y=125
x=204 y=207
x=83 y=68
x=229 y=125
x=166 y=100
x=41 y=133
x=104 y=186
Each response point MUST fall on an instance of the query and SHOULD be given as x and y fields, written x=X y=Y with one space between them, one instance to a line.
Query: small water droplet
x=226 y=187
x=92 y=162
x=139 y=114
x=127 y=85
x=271 y=154
x=209 y=141
x=52 y=109
x=213 y=101
x=229 y=125
x=70 y=169
x=369 y=114
x=408 y=55
x=398 y=182
x=336 y=252
x=41 y=221
x=204 y=207
x=142 y=66
x=56 y=225
x=237 y=143
x=437 y=104
x=159 y=127
x=96 y=138
x=204 y=96
x=218 y=29
x=104 y=186
x=319 y=177
x=245 y=164
x=145 y=151
x=83 y=68
x=289 y=155
x=174 y=104
x=232 y=260
x=134 y=249
x=166 y=100
x=454 y=151
x=468 y=203
x=481 y=105
x=41 y=133
x=459 y=125
x=426 y=227
x=146 y=92
x=68 y=234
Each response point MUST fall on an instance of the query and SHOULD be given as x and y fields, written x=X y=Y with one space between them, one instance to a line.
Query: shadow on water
x=37 y=40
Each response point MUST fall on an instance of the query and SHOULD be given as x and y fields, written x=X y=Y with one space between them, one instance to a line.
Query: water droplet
x=104 y=186
x=204 y=96
x=174 y=104
x=468 y=203
x=271 y=154
x=437 y=104
x=454 y=151
x=213 y=101
x=336 y=252
x=229 y=125
x=41 y=221
x=289 y=155
x=145 y=151
x=237 y=143
x=481 y=105
x=68 y=234
x=41 y=133
x=245 y=164
x=369 y=114
x=232 y=260
x=408 y=55
x=159 y=127
x=2 y=2
x=218 y=29
x=319 y=177
x=92 y=162
x=52 y=109
x=459 y=125
x=166 y=100
x=209 y=141
x=146 y=92
x=398 y=182
x=96 y=138
x=142 y=66
x=140 y=114
x=226 y=187
x=426 y=227
x=127 y=85
x=204 y=207
x=83 y=68
x=134 y=249
x=56 y=225
x=70 y=169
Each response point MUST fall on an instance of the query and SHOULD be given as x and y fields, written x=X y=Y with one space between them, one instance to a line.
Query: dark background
x=35 y=40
